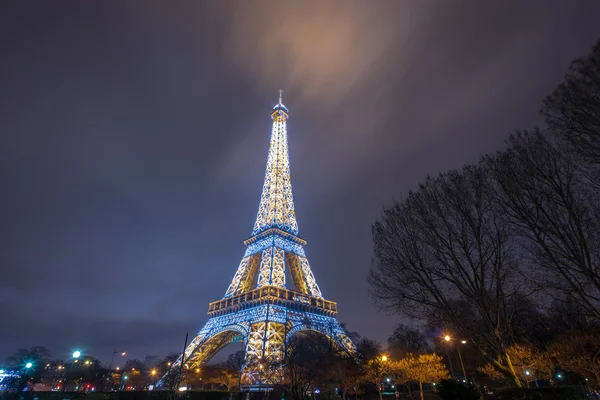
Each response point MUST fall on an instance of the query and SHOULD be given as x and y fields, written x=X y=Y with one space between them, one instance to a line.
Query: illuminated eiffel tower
x=257 y=307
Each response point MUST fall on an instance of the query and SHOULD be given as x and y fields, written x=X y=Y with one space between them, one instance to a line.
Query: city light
x=28 y=365
x=527 y=372
x=447 y=338
x=384 y=358
x=76 y=354
x=1 y=371
x=463 y=341
x=123 y=353
x=153 y=372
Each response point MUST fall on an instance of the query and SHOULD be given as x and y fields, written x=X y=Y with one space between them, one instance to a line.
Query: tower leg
x=265 y=353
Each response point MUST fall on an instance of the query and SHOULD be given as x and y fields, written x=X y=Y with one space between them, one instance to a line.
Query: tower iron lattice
x=257 y=308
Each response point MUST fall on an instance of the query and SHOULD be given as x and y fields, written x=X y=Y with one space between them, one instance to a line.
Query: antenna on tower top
x=280 y=94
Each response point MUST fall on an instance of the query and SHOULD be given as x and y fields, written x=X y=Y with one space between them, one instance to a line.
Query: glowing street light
x=28 y=365
x=447 y=338
x=76 y=354
x=153 y=372
x=527 y=373
x=384 y=358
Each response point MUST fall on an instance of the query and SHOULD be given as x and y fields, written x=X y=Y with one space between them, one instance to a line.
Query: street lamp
x=384 y=358
x=76 y=354
x=28 y=365
x=447 y=338
x=115 y=351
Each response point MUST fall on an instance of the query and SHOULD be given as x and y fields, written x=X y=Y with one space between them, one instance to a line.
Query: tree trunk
x=421 y=390
x=380 y=395
x=505 y=367
x=511 y=370
x=410 y=392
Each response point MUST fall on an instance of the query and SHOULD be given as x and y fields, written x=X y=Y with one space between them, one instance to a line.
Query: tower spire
x=276 y=208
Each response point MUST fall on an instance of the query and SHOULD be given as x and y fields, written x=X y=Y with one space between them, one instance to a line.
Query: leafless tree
x=308 y=364
x=406 y=340
x=556 y=215
x=444 y=254
x=572 y=111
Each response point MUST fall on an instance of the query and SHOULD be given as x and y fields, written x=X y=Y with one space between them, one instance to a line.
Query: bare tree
x=556 y=216
x=572 y=111
x=309 y=360
x=406 y=340
x=443 y=254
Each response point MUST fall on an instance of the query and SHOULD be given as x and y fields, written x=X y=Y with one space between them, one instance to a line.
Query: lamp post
x=461 y=360
x=112 y=359
x=115 y=351
x=447 y=339
x=153 y=373
x=76 y=354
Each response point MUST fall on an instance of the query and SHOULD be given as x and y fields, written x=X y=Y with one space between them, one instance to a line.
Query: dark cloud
x=134 y=138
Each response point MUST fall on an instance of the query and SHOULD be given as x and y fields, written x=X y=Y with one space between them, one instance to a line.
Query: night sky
x=134 y=138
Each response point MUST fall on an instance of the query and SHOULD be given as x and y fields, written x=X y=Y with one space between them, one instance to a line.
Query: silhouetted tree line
x=505 y=254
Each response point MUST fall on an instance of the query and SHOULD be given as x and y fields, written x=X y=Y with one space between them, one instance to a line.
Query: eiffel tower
x=257 y=307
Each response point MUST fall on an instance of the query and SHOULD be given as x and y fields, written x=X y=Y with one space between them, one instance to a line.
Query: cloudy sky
x=134 y=135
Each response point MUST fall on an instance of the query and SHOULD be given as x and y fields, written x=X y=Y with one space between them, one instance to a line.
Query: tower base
x=265 y=321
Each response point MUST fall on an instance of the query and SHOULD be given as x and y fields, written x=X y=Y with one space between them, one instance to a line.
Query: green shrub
x=450 y=389
x=543 y=393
